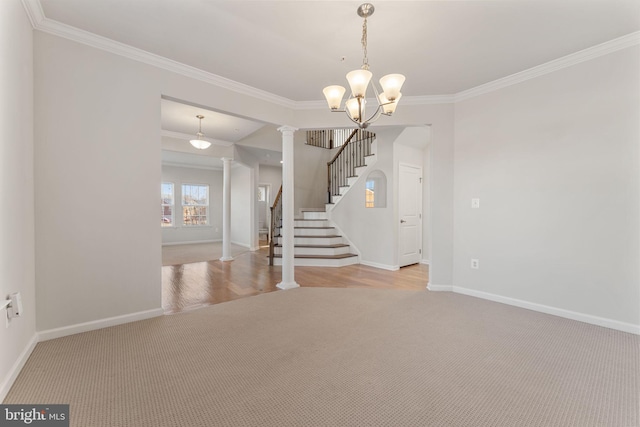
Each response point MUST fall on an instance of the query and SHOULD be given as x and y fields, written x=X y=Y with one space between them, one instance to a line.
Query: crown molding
x=551 y=66
x=188 y=137
x=44 y=24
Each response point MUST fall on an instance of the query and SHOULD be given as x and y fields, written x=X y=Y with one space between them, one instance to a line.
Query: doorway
x=410 y=214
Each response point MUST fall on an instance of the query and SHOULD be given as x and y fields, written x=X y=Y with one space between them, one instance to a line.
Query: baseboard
x=50 y=334
x=17 y=367
x=192 y=242
x=244 y=245
x=567 y=314
x=439 y=288
x=382 y=266
x=424 y=261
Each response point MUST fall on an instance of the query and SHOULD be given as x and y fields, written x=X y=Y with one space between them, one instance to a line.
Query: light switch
x=475 y=203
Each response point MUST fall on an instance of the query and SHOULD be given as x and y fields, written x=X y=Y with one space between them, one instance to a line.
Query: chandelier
x=199 y=142
x=387 y=100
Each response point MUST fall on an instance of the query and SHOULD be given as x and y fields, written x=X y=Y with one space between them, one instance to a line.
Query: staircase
x=317 y=242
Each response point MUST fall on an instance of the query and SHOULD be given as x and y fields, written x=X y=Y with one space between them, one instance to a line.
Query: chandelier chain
x=365 y=60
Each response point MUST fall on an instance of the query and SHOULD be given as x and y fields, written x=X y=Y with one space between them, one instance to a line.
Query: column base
x=226 y=258
x=287 y=286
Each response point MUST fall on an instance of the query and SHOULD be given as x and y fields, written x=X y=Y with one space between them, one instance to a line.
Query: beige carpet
x=342 y=357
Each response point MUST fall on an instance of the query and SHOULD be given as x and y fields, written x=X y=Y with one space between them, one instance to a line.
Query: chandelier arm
x=374 y=116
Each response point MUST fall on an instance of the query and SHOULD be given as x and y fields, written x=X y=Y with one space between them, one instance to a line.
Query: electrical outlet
x=475 y=264
x=475 y=203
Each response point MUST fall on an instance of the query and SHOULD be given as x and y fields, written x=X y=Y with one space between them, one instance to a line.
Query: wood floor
x=189 y=286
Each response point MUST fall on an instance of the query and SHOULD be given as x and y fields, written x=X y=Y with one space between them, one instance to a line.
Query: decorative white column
x=288 y=281
x=226 y=210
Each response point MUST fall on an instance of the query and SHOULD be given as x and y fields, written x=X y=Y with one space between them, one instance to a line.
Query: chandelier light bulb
x=391 y=85
x=334 y=96
x=359 y=81
x=388 y=107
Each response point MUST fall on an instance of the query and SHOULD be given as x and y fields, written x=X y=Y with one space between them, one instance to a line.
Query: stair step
x=314 y=240
x=318 y=261
x=318 y=250
x=314 y=215
x=339 y=256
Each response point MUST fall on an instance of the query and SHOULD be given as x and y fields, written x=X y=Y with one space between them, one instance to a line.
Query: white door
x=410 y=214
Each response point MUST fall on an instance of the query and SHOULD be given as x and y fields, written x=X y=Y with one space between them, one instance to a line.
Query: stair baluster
x=276 y=217
x=350 y=156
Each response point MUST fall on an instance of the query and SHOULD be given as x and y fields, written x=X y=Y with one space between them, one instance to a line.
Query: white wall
x=186 y=175
x=271 y=175
x=554 y=161
x=372 y=230
x=243 y=193
x=410 y=148
x=16 y=187
x=309 y=174
x=77 y=87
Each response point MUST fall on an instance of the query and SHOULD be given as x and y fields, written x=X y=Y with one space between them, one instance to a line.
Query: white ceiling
x=181 y=118
x=292 y=49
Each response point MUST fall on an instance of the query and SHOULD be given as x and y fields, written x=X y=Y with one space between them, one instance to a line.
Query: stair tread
x=337 y=245
x=318 y=237
x=340 y=256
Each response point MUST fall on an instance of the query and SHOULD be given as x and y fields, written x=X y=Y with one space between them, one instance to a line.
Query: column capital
x=286 y=128
x=226 y=159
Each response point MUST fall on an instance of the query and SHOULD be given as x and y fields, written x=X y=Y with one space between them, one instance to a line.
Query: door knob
x=402 y=221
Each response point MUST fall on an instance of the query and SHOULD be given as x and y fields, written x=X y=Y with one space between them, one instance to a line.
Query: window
x=195 y=204
x=376 y=190
x=167 y=203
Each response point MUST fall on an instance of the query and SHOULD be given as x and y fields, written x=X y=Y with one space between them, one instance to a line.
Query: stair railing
x=350 y=156
x=276 y=217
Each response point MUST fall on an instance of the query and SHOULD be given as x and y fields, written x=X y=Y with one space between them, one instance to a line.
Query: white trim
x=541 y=308
x=44 y=24
x=244 y=245
x=551 y=66
x=424 y=261
x=382 y=266
x=287 y=286
x=17 y=367
x=192 y=242
x=41 y=23
x=439 y=288
x=64 y=331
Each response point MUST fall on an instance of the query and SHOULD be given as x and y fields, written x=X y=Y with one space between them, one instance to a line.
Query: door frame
x=420 y=221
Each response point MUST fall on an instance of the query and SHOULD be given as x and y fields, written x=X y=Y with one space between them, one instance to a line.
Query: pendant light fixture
x=387 y=100
x=199 y=142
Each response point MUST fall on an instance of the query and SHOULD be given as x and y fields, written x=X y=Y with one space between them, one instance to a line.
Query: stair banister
x=276 y=216
x=343 y=164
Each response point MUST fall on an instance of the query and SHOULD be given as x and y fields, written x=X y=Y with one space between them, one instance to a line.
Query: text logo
x=34 y=415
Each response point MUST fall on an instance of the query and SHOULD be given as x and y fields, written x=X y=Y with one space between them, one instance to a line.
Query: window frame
x=171 y=206
x=206 y=206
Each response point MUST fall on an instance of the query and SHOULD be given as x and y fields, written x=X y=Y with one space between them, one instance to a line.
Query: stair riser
x=297 y=250
x=315 y=262
x=311 y=231
x=311 y=223
x=315 y=241
x=314 y=215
